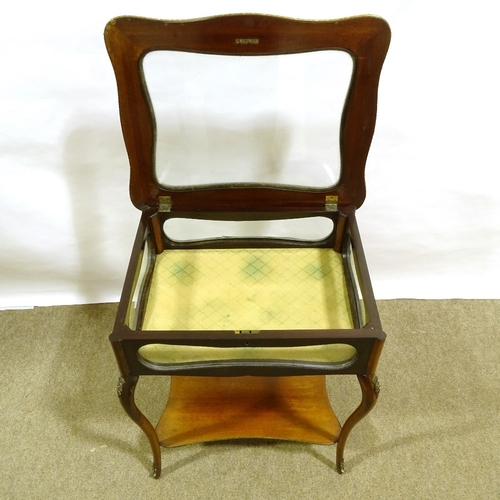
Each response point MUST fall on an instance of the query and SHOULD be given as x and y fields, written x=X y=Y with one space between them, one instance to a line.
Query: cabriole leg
x=369 y=389
x=126 y=390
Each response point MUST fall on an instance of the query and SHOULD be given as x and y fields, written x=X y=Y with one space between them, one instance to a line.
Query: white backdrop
x=430 y=224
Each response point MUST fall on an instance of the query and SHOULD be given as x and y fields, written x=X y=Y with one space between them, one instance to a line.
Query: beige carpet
x=435 y=432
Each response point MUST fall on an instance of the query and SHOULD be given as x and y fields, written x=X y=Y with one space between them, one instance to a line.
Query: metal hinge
x=331 y=203
x=165 y=203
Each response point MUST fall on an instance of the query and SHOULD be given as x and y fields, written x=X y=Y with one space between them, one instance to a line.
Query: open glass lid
x=226 y=120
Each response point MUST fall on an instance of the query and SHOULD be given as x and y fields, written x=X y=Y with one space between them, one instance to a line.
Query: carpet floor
x=435 y=432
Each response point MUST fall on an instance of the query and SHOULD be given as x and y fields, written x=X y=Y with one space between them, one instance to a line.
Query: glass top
x=225 y=120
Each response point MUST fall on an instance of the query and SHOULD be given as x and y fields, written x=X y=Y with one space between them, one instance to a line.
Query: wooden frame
x=366 y=39
x=128 y=40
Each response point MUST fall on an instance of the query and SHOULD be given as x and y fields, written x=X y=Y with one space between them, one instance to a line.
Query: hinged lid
x=287 y=129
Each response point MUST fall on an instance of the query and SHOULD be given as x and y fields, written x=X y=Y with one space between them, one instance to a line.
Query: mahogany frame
x=366 y=39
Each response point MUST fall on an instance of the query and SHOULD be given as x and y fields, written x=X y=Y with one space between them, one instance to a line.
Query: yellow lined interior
x=248 y=289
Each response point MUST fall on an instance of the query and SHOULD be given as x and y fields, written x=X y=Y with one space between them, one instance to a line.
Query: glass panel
x=363 y=313
x=256 y=119
x=334 y=355
x=138 y=286
x=306 y=229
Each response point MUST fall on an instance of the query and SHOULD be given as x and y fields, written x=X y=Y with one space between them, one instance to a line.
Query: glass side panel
x=306 y=229
x=361 y=306
x=144 y=263
x=333 y=355
x=257 y=119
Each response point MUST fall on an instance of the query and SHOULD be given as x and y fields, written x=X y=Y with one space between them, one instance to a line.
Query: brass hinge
x=165 y=203
x=331 y=203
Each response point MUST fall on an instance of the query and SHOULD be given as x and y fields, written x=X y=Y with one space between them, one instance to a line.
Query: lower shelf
x=217 y=408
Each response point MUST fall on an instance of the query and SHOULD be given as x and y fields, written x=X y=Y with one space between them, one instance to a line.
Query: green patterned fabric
x=248 y=289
